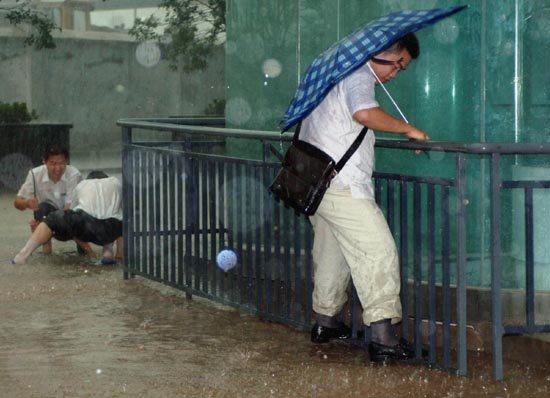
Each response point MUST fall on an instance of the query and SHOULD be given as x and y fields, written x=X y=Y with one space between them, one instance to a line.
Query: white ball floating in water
x=226 y=259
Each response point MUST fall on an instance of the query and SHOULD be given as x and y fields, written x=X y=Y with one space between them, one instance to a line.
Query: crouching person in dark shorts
x=95 y=217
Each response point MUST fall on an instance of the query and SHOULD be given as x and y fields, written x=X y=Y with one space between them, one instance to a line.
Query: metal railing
x=183 y=205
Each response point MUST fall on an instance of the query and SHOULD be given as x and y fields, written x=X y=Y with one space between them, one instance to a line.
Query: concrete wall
x=93 y=82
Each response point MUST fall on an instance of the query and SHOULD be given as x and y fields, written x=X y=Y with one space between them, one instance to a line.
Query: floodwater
x=71 y=328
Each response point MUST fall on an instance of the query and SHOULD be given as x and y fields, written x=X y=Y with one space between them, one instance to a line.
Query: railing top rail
x=201 y=126
x=483 y=148
x=204 y=126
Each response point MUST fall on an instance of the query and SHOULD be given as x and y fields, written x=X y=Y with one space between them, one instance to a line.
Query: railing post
x=404 y=256
x=496 y=304
x=461 y=261
x=529 y=260
x=127 y=197
x=417 y=268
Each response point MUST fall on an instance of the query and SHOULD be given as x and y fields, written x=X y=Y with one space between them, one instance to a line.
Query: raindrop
x=166 y=39
x=148 y=54
x=437 y=156
x=508 y=47
x=447 y=31
x=271 y=68
x=238 y=111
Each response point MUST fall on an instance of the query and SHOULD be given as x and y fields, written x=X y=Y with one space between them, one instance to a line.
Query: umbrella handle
x=33 y=184
x=388 y=93
x=394 y=103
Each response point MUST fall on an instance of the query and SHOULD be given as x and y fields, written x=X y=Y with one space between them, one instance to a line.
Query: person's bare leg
x=46 y=246
x=42 y=234
x=87 y=248
x=119 y=248
x=108 y=256
x=108 y=251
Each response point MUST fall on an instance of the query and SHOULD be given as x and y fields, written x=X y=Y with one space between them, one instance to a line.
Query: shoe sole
x=330 y=339
x=388 y=359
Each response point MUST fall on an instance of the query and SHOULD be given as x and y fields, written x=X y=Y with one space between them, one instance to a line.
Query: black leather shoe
x=322 y=334
x=402 y=351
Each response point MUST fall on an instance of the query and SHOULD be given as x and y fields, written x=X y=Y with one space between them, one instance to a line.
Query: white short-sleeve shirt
x=331 y=128
x=101 y=198
x=57 y=194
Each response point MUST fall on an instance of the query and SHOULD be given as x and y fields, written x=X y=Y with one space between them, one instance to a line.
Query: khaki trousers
x=352 y=239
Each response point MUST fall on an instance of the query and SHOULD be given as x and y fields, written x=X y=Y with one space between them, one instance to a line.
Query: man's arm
x=379 y=119
x=22 y=203
x=25 y=199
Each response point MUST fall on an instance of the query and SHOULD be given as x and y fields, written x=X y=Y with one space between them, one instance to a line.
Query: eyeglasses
x=396 y=64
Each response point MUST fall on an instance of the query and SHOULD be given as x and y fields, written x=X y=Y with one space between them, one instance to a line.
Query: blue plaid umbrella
x=349 y=53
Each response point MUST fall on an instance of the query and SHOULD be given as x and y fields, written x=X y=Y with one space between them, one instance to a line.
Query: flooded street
x=70 y=328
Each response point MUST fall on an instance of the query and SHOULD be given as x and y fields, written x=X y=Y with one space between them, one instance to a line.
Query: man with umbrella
x=335 y=101
x=352 y=237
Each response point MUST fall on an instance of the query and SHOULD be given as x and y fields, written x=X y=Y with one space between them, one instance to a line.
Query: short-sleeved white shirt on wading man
x=57 y=194
x=101 y=198
x=332 y=129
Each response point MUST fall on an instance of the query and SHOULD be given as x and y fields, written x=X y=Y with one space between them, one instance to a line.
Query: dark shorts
x=70 y=224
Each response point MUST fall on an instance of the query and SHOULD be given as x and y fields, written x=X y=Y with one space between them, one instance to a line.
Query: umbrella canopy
x=352 y=51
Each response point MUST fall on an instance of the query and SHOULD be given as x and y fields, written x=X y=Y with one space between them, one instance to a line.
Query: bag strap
x=340 y=165
x=351 y=149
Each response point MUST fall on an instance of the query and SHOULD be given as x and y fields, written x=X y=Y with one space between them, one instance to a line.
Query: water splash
x=148 y=54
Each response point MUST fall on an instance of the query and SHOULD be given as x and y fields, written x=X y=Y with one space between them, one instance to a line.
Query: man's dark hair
x=55 y=150
x=409 y=42
x=96 y=174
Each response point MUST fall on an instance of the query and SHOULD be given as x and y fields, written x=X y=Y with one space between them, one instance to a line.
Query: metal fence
x=188 y=195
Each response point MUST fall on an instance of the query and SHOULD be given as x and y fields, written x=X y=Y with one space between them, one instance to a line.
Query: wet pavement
x=71 y=328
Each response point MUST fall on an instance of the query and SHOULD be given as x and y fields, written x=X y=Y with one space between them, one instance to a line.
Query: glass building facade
x=481 y=75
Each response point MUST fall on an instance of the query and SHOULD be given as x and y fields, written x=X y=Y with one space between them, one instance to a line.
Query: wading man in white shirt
x=352 y=237
x=48 y=188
